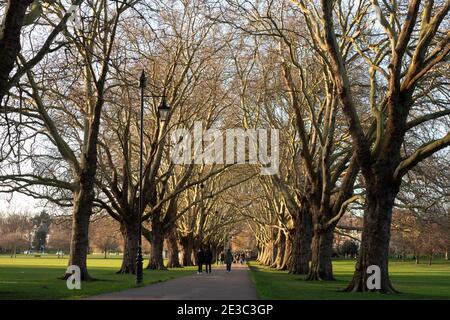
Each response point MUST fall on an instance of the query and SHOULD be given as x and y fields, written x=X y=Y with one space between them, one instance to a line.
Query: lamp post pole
x=139 y=259
x=163 y=115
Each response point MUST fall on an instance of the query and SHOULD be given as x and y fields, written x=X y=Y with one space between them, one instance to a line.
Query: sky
x=19 y=203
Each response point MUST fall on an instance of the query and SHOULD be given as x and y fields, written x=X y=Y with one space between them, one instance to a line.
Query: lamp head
x=163 y=110
x=142 y=80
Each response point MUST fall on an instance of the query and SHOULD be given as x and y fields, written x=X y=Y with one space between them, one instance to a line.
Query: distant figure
x=222 y=257
x=228 y=260
x=208 y=259
x=242 y=258
x=200 y=260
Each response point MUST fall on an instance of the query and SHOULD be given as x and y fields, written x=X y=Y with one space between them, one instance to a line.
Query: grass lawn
x=29 y=277
x=413 y=281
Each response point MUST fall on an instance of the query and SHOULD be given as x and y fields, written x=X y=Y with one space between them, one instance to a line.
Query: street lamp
x=163 y=112
x=139 y=259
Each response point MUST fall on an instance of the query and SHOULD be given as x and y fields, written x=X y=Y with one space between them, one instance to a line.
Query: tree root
x=358 y=285
x=316 y=276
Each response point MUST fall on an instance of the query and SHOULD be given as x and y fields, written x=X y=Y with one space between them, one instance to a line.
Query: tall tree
x=51 y=99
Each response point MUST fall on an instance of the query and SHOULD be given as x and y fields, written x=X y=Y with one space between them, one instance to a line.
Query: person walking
x=222 y=257
x=208 y=260
x=228 y=260
x=200 y=260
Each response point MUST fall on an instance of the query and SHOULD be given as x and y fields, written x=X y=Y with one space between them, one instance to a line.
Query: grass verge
x=29 y=277
x=413 y=281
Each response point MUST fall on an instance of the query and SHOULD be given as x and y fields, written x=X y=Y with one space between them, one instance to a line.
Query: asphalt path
x=219 y=285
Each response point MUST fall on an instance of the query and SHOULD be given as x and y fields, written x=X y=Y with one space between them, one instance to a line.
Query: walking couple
x=204 y=257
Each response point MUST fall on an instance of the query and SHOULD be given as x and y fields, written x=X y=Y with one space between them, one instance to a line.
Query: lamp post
x=139 y=259
x=163 y=113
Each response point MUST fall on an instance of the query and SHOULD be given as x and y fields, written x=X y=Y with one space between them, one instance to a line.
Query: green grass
x=413 y=281
x=29 y=277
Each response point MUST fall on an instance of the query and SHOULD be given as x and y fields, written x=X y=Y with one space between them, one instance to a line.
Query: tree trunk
x=172 y=246
x=375 y=238
x=430 y=258
x=262 y=255
x=301 y=244
x=104 y=257
x=267 y=255
x=82 y=209
x=258 y=257
x=322 y=249
x=281 y=243
x=418 y=258
x=130 y=234
x=215 y=252
x=156 y=253
x=270 y=254
x=287 y=252
x=187 y=247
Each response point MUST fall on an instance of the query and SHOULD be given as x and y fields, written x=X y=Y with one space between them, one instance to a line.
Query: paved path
x=220 y=285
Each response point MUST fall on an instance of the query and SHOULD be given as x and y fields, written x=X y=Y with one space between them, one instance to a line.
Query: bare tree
x=104 y=234
x=91 y=49
x=16 y=231
x=59 y=236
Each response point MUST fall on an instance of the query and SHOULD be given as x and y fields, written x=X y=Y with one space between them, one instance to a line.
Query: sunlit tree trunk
x=130 y=234
x=375 y=238
x=156 y=261
x=301 y=243
x=173 y=260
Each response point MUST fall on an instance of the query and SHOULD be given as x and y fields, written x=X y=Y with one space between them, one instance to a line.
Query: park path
x=219 y=285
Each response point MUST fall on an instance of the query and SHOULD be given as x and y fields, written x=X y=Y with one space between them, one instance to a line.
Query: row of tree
x=359 y=90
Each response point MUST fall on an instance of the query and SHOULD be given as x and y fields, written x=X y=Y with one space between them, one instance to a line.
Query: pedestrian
x=208 y=259
x=222 y=257
x=200 y=260
x=228 y=260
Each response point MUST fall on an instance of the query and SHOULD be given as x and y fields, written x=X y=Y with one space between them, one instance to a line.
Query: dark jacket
x=228 y=257
x=200 y=256
x=208 y=256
